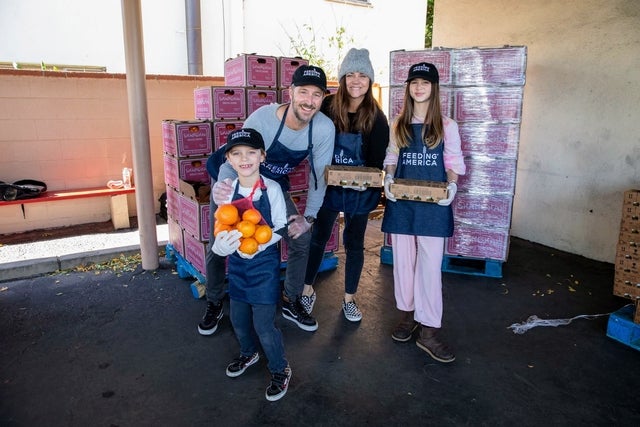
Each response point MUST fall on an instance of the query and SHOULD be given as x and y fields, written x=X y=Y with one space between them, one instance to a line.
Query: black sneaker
x=237 y=367
x=209 y=323
x=279 y=385
x=295 y=312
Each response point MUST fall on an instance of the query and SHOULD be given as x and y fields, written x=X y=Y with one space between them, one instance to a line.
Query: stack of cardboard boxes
x=251 y=81
x=482 y=90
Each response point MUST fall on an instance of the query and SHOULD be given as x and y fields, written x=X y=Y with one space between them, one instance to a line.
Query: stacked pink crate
x=481 y=88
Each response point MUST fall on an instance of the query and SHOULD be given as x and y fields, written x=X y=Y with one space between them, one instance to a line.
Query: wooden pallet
x=473 y=266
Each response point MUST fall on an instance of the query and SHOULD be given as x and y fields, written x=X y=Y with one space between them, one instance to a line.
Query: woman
x=424 y=145
x=362 y=135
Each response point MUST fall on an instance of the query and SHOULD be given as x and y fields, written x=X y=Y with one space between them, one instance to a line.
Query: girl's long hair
x=432 y=129
x=365 y=114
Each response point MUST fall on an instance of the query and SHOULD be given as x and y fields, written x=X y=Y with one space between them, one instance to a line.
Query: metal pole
x=139 y=122
x=194 y=36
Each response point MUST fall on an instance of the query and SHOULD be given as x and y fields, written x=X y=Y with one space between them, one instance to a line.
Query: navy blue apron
x=347 y=151
x=256 y=280
x=419 y=218
x=280 y=160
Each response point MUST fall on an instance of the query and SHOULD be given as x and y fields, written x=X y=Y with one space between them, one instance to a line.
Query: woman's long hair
x=365 y=114
x=432 y=129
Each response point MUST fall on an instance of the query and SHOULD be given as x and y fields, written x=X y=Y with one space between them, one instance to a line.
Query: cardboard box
x=478 y=242
x=259 y=97
x=221 y=130
x=194 y=211
x=402 y=60
x=488 y=104
x=419 y=191
x=396 y=100
x=486 y=66
x=251 y=70
x=193 y=169
x=353 y=176
x=176 y=237
x=299 y=177
x=286 y=68
x=182 y=138
x=220 y=103
x=195 y=253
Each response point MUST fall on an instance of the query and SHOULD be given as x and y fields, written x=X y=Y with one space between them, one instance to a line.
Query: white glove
x=250 y=256
x=221 y=191
x=452 y=189
x=298 y=225
x=355 y=187
x=388 y=180
x=226 y=242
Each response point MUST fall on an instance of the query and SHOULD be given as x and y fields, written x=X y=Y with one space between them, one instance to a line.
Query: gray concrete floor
x=120 y=348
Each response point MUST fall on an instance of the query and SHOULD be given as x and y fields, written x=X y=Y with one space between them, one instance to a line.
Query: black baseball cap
x=244 y=136
x=423 y=70
x=310 y=75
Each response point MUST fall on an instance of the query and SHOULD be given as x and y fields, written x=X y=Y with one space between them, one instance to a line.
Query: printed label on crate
x=483 y=210
x=492 y=104
x=257 y=98
x=489 y=176
x=402 y=60
x=478 y=66
x=286 y=68
x=221 y=131
x=490 y=139
x=478 y=242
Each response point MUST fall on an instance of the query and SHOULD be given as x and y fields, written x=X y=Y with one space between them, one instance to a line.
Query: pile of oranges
x=228 y=218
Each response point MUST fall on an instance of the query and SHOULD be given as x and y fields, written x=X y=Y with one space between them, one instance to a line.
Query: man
x=292 y=132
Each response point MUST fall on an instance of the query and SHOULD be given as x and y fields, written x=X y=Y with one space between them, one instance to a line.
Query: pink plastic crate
x=259 y=97
x=478 y=242
x=220 y=103
x=483 y=210
x=251 y=70
x=402 y=60
x=286 y=68
x=490 y=139
x=488 y=104
x=186 y=138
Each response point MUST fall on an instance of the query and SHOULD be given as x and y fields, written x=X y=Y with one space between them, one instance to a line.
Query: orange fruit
x=247 y=228
x=263 y=234
x=252 y=215
x=227 y=214
x=218 y=227
x=248 y=245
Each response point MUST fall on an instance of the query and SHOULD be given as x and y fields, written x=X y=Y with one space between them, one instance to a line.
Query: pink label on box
x=299 y=177
x=171 y=171
x=490 y=139
x=286 y=68
x=221 y=131
x=402 y=60
x=483 y=210
x=194 y=170
x=229 y=103
x=194 y=253
x=490 y=66
x=488 y=104
x=478 y=242
x=203 y=103
x=193 y=139
x=488 y=176
x=257 y=98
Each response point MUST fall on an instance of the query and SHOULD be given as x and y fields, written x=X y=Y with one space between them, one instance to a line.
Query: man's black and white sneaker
x=308 y=302
x=295 y=312
x=351 y=311
x=279 y=385
x=209 y=323
x=238 y=366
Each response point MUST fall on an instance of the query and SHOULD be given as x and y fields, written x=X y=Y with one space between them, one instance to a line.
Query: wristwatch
x=310 y=219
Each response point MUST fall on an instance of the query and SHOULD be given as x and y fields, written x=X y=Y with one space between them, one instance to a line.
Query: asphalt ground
x=113 y=345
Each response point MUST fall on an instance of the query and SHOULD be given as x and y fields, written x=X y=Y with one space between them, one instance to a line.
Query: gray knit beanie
x=356 y=61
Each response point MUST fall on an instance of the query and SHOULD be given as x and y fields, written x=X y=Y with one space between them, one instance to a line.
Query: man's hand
x=221 y=191
x=388 y=180
x=298 y=225
x=226 y=243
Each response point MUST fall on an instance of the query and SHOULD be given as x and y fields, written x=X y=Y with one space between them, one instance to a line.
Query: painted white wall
x=579 y=142
x=89 y=32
